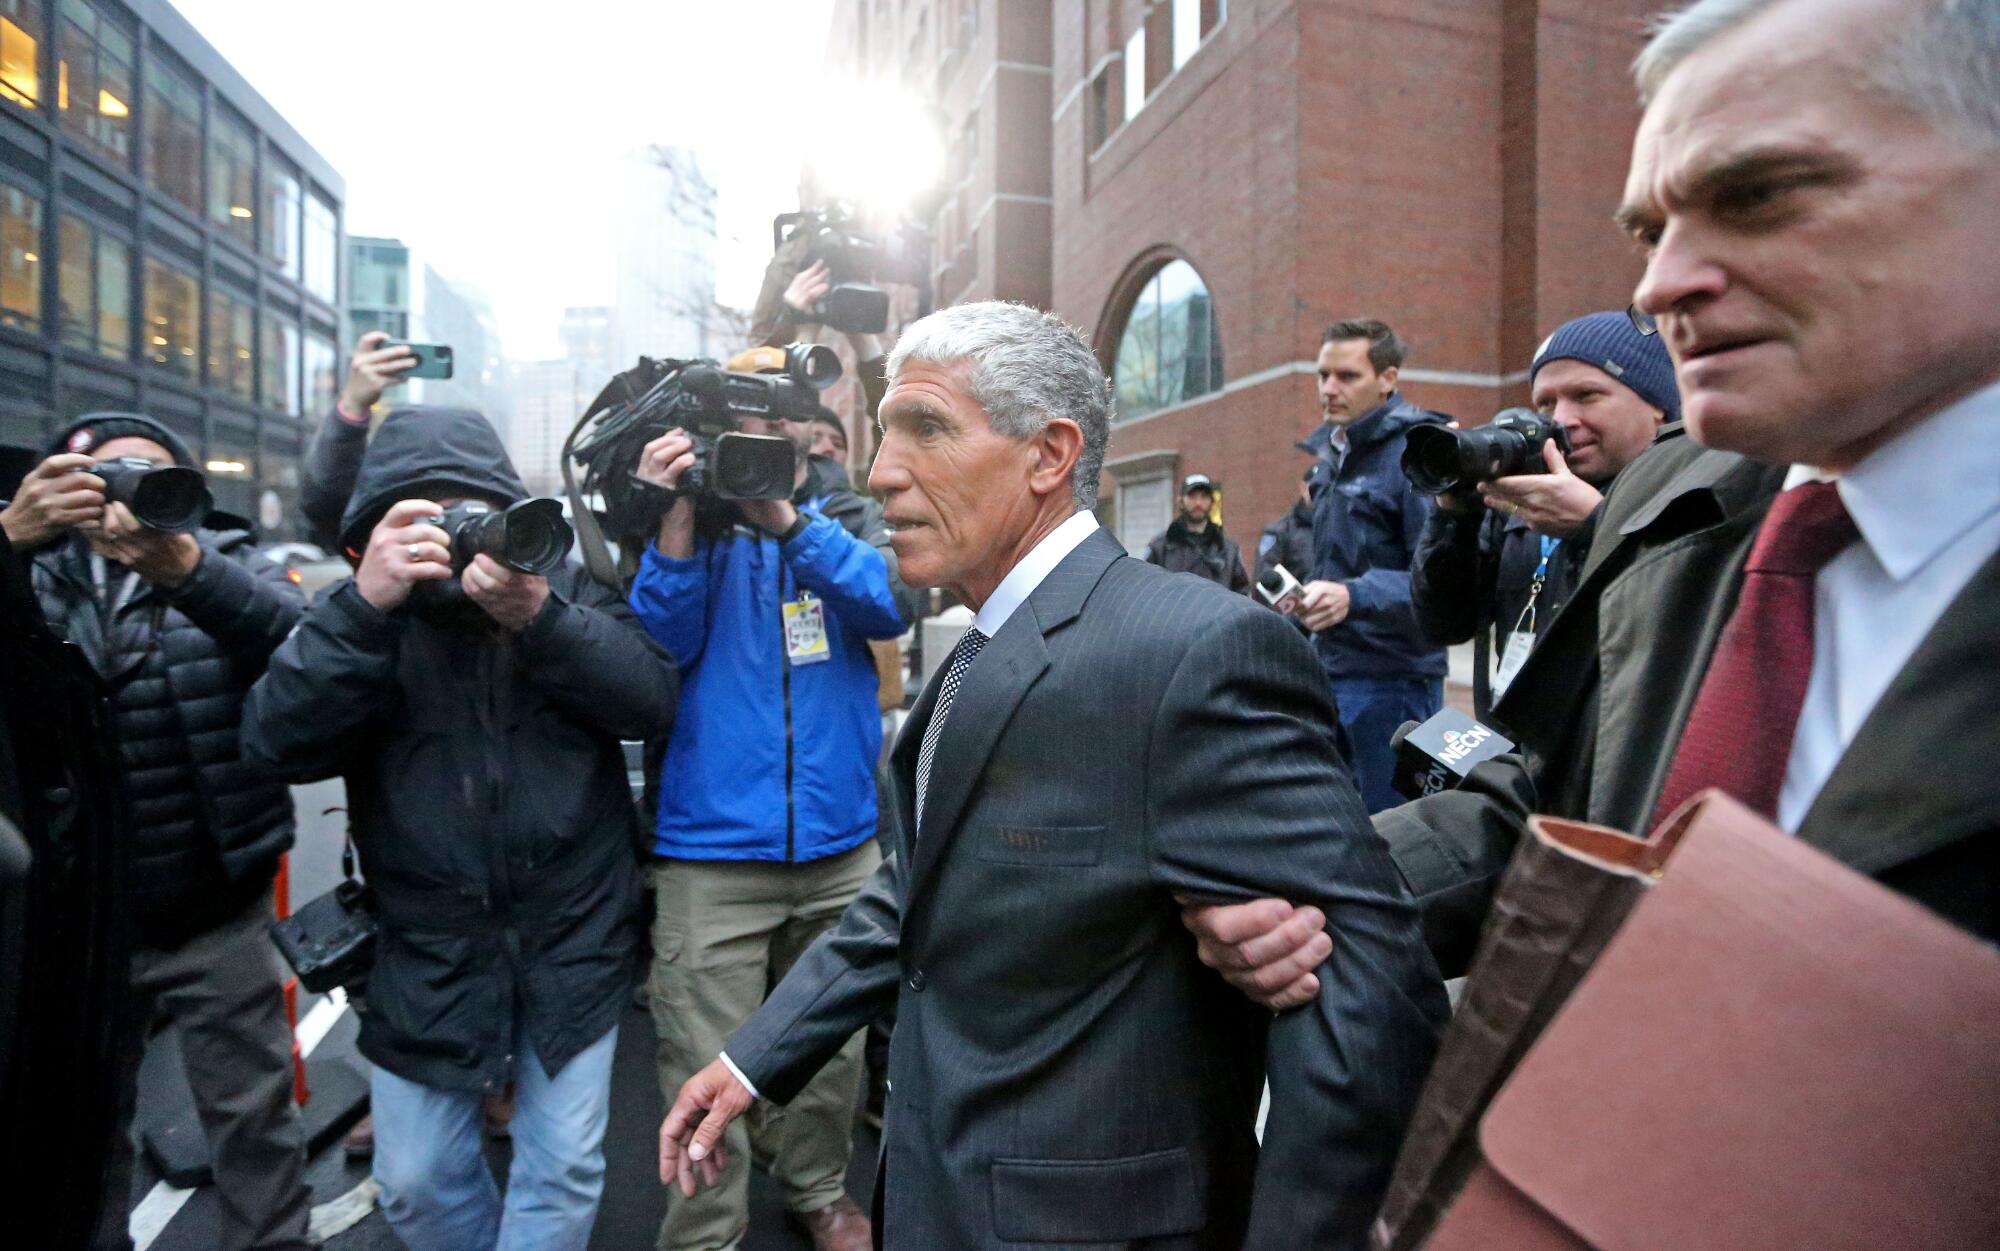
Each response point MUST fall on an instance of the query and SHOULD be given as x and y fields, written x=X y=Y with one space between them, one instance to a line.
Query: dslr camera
x=709 y=402
x=1438 y=460
x=530 y=536
x=168 y=498
x=855 y=260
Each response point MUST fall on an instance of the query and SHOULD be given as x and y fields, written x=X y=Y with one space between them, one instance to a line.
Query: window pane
x=114 y=298
x=172 y=318
x=232 y=473
x=1187 y=30
x=321 y=361
x=232 y=163
x=322 y=237
x=94 y=79
x=1171 y=350
x=20 y=259
x=1135 y=73
x=281 y=365
x=173 y=143
x=20 y=44
x=230 y=359
x=76 y=287
x=281 y=218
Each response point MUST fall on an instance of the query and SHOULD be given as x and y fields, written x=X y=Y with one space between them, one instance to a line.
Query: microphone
x=1436 y=755
x=1278 y=588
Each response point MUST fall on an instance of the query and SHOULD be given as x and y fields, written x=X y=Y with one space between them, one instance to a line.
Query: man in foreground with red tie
x=1798 y=600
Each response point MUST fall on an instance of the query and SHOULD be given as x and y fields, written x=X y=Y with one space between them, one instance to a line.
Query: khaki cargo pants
x=724 y=933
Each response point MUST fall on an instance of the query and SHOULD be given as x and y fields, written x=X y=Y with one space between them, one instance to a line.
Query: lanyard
x=1527 y=618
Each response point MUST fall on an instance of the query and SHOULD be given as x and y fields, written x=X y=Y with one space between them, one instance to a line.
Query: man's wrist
x=351 y=413
x=738 y=1074
x=797 y=527
x=179 y=567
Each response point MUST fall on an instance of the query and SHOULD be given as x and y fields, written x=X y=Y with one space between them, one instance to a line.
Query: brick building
x=1204 y=184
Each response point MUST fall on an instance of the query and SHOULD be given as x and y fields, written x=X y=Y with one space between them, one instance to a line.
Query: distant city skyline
x=447 y=143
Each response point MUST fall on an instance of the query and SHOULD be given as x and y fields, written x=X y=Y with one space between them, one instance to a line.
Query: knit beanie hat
x=88 y=433
x=1611 y=343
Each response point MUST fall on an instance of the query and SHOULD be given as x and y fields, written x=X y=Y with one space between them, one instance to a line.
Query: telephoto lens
x=530 y=536
x=167 y=498
x=1437 y=459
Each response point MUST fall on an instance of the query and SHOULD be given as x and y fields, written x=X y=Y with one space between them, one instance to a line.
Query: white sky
x=484 y=133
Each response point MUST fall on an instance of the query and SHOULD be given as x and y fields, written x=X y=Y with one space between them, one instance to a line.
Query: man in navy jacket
x=766 y=826
x=1366 y=523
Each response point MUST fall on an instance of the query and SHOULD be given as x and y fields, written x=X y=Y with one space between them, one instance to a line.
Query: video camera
x=1437 y=459
x=709 y=402
x=856 y=260
x=168 y=498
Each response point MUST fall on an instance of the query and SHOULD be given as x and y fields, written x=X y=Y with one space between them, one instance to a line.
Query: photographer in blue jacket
x=767 y=811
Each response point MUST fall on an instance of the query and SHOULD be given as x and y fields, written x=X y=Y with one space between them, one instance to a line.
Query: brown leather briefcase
x=1773 y=1052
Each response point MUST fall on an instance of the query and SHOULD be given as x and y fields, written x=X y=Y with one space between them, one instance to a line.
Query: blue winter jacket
x=769 y=760
x=1366 y=524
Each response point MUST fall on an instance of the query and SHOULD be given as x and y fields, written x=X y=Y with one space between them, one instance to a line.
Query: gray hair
x=1027 y=367
x=1945 y=63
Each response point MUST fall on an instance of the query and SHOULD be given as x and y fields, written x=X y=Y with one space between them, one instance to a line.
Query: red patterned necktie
x=1739 y=736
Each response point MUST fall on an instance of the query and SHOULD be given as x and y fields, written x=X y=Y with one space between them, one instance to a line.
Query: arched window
x=1170 y=351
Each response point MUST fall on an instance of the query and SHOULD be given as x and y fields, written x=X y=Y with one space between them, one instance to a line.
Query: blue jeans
x=1371 y=710
x=437 y=1192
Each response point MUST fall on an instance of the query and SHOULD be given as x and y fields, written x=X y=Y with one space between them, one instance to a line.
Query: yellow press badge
x=805 y=630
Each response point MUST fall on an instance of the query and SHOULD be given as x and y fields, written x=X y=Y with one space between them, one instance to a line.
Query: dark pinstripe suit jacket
x=1064 y=1070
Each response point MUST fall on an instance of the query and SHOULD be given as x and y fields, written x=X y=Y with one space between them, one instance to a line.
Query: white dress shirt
x=1025 y=576
x=1928 y=508
x=1012 y=592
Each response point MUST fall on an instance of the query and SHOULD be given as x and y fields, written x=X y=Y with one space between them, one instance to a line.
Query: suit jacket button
x=916 y=982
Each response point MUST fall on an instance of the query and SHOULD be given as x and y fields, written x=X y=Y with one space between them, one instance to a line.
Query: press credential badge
x=805 y=630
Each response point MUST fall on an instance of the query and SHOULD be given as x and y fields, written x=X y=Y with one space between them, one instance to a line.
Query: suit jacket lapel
x=994 y=686
x=1918 y=775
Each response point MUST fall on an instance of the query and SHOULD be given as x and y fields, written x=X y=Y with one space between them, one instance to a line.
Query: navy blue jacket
x=1366 y=524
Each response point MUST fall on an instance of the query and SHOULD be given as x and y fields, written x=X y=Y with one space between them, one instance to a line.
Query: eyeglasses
x=1643 y=322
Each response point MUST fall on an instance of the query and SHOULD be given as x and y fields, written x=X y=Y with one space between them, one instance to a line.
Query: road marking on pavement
x=337 y=1216
x=153 y=1213
x=320 y=1019
x=164 y=1202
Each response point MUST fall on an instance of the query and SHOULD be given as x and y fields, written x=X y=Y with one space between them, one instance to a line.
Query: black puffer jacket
x=485 y=783
x=206 y=828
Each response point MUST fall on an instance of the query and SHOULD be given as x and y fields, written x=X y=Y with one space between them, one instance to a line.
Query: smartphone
x=433 y=359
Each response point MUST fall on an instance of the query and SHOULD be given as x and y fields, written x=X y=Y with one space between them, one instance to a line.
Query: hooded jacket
x=1210 y=554
x=485 y=783
x=203 y=828
x=772 y=760
x=1366 y=524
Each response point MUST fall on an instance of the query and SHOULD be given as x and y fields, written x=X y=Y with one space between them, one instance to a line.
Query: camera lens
x=813 y=364
x=536 y=536
x=753 y=467
x=170 y=499
x=1432 y=460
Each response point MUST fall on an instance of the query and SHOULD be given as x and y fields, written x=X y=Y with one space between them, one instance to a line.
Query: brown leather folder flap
x=1616 y=850
x=1774 y=1052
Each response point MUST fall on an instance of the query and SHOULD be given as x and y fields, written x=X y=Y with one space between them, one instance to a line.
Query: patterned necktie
x=954 y=673
x=1739 y=736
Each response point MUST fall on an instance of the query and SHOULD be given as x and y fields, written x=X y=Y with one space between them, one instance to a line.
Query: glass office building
x=168 y=245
